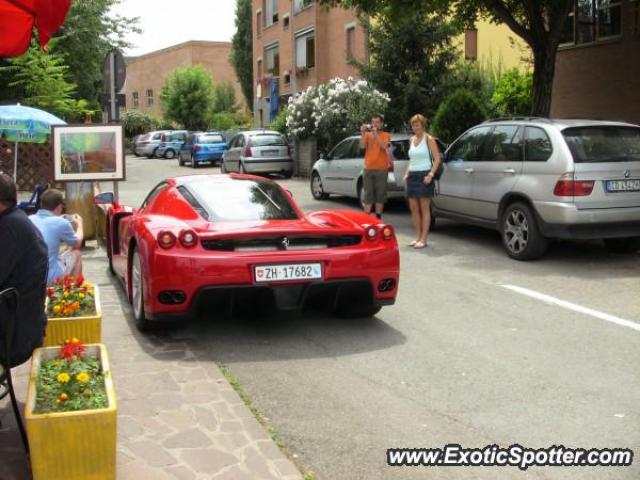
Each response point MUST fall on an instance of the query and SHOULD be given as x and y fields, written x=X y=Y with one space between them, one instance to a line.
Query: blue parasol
x=25 y=124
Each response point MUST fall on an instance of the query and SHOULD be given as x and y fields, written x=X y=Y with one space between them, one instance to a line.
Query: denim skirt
x=416 y=188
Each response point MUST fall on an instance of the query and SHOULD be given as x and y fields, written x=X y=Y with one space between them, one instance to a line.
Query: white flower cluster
x=337 y=106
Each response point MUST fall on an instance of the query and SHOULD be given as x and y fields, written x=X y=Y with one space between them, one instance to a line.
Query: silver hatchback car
x=258 y=151
x=538 y=179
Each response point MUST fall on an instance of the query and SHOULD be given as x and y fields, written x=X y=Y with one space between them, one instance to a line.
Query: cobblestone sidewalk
x=178 y=417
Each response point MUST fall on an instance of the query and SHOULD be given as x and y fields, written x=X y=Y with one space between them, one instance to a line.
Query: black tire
x=194 y=164
x=137 y=300
x=155 y=153
x=357 y=311
x=241 y=169
x=222 y=167
x=109 y=249
x=520 y=233
x=170 y=154
x=622 y=245
x=433 y=223
x=316 y=190
x=360 y=191
x=287 y=175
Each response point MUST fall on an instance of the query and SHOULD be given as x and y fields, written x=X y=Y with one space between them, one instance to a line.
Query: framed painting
x=88 y=152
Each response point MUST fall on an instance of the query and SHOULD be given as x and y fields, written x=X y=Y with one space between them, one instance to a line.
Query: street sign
x=120 y=70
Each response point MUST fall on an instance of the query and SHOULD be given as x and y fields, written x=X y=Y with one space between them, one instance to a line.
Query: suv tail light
x=567 y=186
x=247 y=150
x=166 y=239
x=196 y=148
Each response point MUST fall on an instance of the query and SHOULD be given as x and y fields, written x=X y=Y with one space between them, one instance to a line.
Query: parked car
x=170 y=144
x=147 y=144
x=258 y=151
x=340 y=171
x=220 y=243
x=536 y=179
x=204 y=147
x=138 y=144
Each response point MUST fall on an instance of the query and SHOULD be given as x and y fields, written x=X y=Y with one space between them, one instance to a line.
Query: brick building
x=598 y=63
x=147 y=73
x=297 y=44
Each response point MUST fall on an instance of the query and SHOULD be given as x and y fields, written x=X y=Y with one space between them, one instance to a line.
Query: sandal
x=411 y=244
x=419 y=245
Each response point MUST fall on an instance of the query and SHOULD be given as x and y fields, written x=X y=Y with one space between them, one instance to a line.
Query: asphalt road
x=470 y=354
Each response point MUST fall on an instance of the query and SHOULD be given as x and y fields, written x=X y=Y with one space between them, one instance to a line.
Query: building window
x=270 y=12
x=306 y=50
x=592 y=20
x=272 y=55
x=471 y=44
x=149 y=97
x=285 y=22
x=287 y=77
x=300 y=5
x=351 y=39
x=135 y=99
x=259 y=23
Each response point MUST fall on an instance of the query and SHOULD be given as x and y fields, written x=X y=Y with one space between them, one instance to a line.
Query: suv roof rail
x=521 y=118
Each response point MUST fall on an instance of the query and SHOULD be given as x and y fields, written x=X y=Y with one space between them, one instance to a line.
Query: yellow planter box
x=86 y=329
x=72 y=445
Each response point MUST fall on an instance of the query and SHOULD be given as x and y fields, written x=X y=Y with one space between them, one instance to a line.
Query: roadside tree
x=242 y=49
x=188 y=97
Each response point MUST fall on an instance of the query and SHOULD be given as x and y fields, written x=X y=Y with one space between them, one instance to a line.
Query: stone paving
x=178 y=417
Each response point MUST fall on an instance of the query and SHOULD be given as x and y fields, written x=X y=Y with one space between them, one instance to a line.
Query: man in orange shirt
x=376 y=144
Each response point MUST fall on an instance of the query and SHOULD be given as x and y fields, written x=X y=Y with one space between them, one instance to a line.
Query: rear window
x=240 y=200
x=210 y=139
x=268 y=141
x=603 y=144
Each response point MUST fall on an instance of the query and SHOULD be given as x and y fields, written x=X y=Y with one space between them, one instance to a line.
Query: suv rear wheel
x=521 y=236
x=622 y=245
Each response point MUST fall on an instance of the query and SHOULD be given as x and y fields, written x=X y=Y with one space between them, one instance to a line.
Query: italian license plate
x=623 y=185
x=287 y=273
x=270 y=153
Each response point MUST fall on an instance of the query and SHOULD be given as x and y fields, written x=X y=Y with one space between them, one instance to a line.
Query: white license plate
x=289 y=272
x=270 y=153
x=623 y=185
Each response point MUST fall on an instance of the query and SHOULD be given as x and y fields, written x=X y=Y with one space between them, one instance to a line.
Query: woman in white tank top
x=419 y=179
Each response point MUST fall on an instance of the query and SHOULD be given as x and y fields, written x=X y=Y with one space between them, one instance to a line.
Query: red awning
x=18 y=18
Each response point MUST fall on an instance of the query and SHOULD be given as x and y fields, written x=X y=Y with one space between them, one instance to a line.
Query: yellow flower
x=63 y=377
x=81 y=295
x=83 y=377
x=63 y=397
x=65 y=294
x=56 y=309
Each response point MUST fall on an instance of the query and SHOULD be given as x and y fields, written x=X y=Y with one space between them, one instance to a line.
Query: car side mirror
x=104 y=198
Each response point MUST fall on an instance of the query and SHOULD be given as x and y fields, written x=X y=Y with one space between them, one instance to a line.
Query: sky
x=165 y=23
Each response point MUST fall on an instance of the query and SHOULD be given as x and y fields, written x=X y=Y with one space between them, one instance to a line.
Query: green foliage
x=333 y=110
x=188 y=97
x=229 y=121
x=410 y=56
x=224 y=98
x=39 y=77
x=459 y=112
x=137 y=123
x=476 y=77
x=242 y=49
x=279 y=123
x=512 y=95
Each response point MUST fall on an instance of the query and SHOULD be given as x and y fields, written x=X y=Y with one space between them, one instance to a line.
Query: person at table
x=58 y=230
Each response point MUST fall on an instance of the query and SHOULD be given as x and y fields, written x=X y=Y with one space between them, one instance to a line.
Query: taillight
x=247 y=150
x=390 y=168
x=567 y=186
x=387 y=232
x=188 y=238
x=166 y=239
x=197 y=148
x=371 y=232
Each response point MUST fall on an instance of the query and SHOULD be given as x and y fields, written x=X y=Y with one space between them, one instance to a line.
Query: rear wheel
x=360 y=190
x=622 y=245
x=521 y=236
x=241 y=168
x=222 y=167
x=194 y=164
x=316 y=187
x=155 y=153
x=169 y=154
x=137 y=292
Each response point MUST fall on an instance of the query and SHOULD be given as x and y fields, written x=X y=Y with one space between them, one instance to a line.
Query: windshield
x=268 y=140
x=240 y=200
x=603 y=144
x=210 y=139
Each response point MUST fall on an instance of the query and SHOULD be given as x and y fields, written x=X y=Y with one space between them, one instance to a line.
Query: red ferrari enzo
x=231 y=242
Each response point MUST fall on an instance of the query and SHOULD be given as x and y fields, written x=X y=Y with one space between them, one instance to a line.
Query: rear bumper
x=252 y=165
x=563 y=220
x=207 y=156
x=213 y=281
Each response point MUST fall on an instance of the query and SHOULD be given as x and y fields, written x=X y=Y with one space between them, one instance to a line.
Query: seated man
x=23 y=265
x=57 y=230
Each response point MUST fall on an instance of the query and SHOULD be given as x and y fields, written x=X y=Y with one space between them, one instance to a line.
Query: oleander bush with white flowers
x=333 y=110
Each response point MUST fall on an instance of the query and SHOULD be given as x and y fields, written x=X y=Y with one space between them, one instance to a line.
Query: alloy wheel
x=516 y=231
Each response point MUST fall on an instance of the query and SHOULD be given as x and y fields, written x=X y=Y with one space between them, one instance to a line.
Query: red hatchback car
x=223 y=243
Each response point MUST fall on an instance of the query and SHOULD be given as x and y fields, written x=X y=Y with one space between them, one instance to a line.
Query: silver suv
x=258 y=151
x=538 y=179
